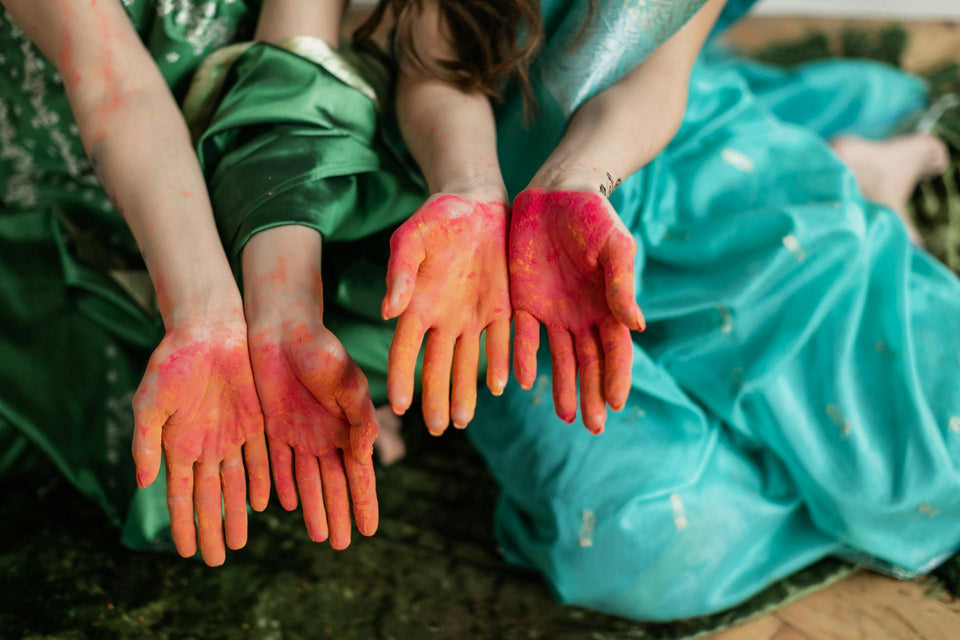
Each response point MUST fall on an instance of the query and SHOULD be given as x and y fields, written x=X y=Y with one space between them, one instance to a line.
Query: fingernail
x=140 y=482
x=640 y=322
x=598 y=420
x=569 y=417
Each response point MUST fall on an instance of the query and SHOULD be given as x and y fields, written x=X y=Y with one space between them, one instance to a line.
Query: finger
x=466 y=361
x=363 y=493
x=590 y=363
x=437 y=360
x=149 y=416
x=564 y=373
x=617 y=362
x=336 y=500
x=402 y=362
x=180 y=506
x=207 y=497
x=311 y=497
x=406 y=254
x=526 y=339
x=498 y=355
x=258 y=472
x=354 y=400
x=281 y=461
x=617 y=259
x=233 y=484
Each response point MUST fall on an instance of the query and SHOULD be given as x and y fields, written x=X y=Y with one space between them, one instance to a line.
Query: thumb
x=406 y=254
x=149 y=416
x=616 y=258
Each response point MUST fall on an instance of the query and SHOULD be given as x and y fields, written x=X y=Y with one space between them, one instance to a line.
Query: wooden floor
x=865 y=606
x=930 y=43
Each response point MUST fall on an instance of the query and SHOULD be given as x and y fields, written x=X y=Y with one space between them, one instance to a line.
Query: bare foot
x=888 y=170
x=389 y=445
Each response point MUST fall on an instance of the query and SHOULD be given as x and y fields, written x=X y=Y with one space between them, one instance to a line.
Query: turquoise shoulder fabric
x=794 y=395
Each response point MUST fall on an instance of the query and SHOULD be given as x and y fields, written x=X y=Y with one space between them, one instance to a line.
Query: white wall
x=904 y=9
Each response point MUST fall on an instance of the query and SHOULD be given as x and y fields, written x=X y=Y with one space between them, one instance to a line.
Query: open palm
x=571 y=269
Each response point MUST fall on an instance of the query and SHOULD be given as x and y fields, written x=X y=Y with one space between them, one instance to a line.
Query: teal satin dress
x=796 y=392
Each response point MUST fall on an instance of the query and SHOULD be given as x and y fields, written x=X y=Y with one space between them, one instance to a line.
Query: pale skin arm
x=585 y=298
x=320 y=421
x=139 y=146
x=447 y=279
x=451 y=134
x=196 y=403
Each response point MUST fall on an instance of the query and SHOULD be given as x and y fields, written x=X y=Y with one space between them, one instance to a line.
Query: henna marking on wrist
x=607 y=188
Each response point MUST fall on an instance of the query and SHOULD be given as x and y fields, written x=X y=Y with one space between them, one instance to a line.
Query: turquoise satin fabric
x=795 y=394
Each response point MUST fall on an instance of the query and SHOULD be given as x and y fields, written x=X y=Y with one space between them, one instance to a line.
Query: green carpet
x=432 y=571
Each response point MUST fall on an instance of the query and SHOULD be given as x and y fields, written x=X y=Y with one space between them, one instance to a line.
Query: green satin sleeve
x=294 y=140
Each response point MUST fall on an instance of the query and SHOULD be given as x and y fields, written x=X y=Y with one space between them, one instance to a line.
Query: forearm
x=625 y=126
x=281 y=272
x=280 y=19
x=139 y=147
x=450 y=133
x=145 y=162
x=452 y=136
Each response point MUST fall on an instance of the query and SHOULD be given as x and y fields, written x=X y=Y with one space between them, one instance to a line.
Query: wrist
x=481 y=188
x=560 y=176
x=281 y=275
x=209 y=310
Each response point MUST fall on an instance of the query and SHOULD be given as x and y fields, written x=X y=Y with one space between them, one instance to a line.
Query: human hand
x=571 y=268
x=321 y=426
x=197 y=401
x=448 y=275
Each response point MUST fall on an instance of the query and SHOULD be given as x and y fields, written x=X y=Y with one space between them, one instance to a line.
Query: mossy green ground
x=432 y=570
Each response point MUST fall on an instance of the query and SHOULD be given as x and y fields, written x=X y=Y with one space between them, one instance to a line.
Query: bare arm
x=281 y=19
x=196 y=403
x=140 y=149
x=585 y=294
x=447 y=276
x=451 y=134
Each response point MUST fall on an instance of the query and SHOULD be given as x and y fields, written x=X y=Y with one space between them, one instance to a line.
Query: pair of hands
x=570 y=268
x=211 y=391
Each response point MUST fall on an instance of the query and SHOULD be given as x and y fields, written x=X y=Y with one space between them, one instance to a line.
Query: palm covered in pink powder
x=198 y=404
x=571 y=269
x=321 y=425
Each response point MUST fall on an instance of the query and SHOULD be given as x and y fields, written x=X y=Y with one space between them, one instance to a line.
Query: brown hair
x=484 y=34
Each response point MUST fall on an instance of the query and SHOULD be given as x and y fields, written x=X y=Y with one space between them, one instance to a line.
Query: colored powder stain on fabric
x=839 y=419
